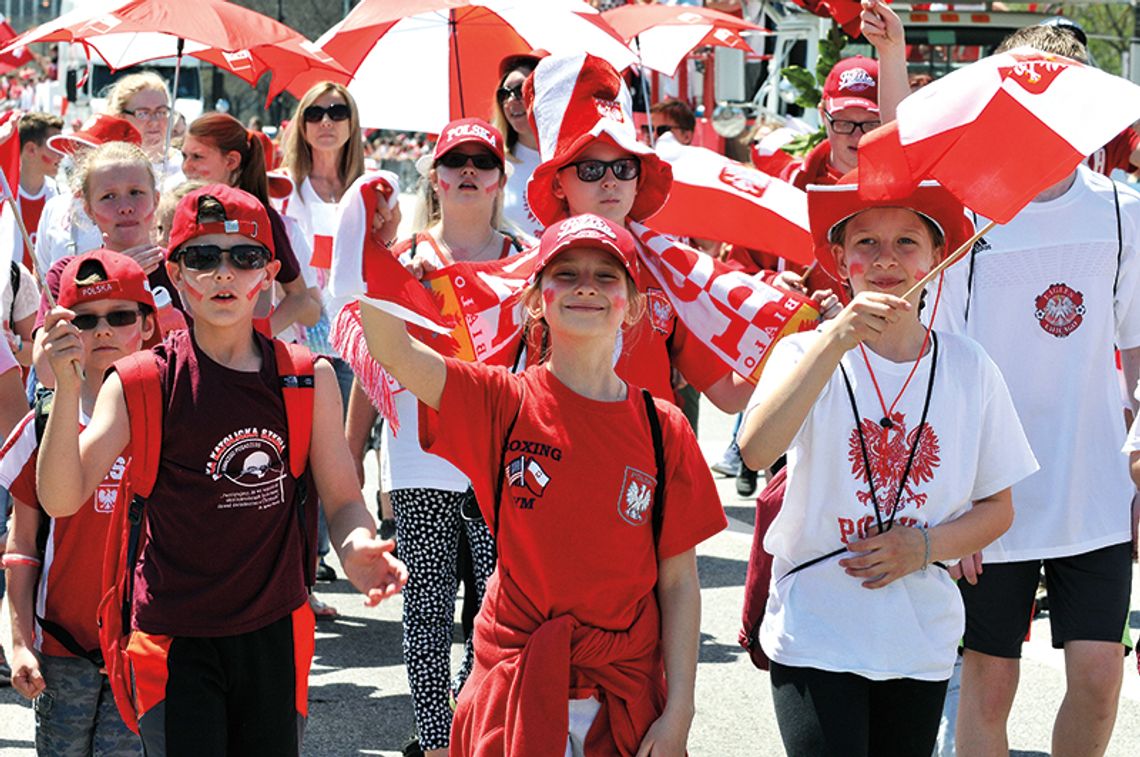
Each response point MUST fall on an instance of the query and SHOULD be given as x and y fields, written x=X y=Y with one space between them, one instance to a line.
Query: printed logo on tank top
x=107 y=493
x=660 y=310
x=1060 y=310
x=526 y=475
x=636 y=496
x=888 y=450
x=254 y=460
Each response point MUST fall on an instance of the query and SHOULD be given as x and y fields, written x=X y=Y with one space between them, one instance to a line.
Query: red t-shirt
x=1116 y=154
x=224 y=549
x=576 y=533
x=31 y=208
x=70 y=582
x=815 y=168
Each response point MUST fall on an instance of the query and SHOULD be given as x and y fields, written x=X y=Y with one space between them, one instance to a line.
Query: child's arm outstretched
x=679 y=596
x=367 y=561
x=418 y=368
x=23 y=569
x=70 y=464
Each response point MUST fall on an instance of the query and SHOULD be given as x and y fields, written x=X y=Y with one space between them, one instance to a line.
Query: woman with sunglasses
x=220 y=586
x=143 y=100
x=323 y=156
x=510 y=118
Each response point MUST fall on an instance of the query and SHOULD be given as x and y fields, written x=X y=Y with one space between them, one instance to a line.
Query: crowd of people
x=199 y=357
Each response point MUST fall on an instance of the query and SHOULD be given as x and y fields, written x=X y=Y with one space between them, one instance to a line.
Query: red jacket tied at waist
x=515 y=703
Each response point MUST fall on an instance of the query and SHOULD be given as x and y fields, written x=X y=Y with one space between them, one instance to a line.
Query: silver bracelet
x=925 y=548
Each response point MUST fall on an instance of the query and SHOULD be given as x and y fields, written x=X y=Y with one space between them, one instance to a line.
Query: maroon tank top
x=224 y=549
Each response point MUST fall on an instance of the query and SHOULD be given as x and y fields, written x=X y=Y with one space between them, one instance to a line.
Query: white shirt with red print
x=971 y=448
x=1050 y=298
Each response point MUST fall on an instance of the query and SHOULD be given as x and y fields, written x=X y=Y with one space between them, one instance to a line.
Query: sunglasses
x=506 y=93
x=623 y=169
x=115 y=319
x=314 y=114
x=849 y=127
x=207 y=257
x=483 y=161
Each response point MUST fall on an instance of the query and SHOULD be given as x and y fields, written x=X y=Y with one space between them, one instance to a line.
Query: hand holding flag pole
x=10 y=198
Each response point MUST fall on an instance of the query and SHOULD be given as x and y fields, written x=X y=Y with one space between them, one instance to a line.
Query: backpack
x=756 y=584
x=126 y=535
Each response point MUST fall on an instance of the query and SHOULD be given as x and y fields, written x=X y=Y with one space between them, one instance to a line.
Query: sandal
x=321 y=610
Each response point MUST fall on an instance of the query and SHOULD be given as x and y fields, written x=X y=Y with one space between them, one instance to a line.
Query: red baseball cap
x=243 y=214
x=594 y=232
x=852 y=83
x=97 y=130
x=124 y=279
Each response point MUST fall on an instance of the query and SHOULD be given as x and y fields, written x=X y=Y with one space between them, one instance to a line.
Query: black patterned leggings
x=427 y=530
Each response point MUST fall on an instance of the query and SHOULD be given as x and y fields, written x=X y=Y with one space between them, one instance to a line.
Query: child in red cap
x=902 y=446
x=220 y=588
x=56 y=660
x=572 y=633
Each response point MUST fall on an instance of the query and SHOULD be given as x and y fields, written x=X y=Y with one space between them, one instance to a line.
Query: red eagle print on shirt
x=888 y=449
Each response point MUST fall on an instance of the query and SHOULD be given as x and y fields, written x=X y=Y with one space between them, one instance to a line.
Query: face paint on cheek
x=190 y=290
x=446 y=187
x=547 y=296
x=921 y=273
x=255 y=290
x=857 y=269
x=620 y=302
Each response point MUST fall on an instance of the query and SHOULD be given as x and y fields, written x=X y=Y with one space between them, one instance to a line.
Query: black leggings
x=846 y=715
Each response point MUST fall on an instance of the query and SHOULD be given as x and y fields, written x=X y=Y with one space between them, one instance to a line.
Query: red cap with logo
x=594 y=232
x=124 y=279
x=852 y=83
x=97 y=130
x=467 y=131
x=242 y=214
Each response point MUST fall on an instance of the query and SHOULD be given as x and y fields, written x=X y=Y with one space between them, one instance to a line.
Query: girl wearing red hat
x=220 y=589
x=902 y=445
x=573 y=632
x=55 y=660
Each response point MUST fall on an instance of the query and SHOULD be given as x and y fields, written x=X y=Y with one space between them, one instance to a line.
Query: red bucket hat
x=124 y=280
x=95 y=131
x=828 y=206
x=244 y=215
x=852 y=83
x=588 y=230
x=572 y=101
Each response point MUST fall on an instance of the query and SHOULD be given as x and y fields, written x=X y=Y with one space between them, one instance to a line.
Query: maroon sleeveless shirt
x=224 y=549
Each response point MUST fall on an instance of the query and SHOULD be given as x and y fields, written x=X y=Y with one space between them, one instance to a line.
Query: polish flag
x=714 y=197
x=998 y=132
x=19 y=57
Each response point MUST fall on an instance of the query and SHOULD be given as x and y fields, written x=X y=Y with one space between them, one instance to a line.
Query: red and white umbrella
x=246 y=43
x=998 y=132
x=417 y=64
x=664 y=34
x=714 y=197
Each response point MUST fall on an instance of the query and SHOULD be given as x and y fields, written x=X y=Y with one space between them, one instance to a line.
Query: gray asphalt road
x=359 y=694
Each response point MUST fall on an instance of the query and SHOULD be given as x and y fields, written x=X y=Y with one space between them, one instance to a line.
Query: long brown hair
x=298 y=154
x=227 y=134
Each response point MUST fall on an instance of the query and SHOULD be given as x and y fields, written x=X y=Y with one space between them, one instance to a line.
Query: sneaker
x=729 y=464
x=746 y=482
x=412 y=749
x=325 y=572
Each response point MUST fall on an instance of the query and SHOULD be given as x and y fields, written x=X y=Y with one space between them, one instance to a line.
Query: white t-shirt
x=972 y=447
x=409 y=466
x=316 y=220
x=65 y=229
x=27 y=300
x=1042 y=305
x=515 y=207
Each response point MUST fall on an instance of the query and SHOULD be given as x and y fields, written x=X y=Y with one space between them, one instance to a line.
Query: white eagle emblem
x=636 y=497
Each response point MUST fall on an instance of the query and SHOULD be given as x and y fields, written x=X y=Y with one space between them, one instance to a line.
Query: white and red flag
x=12 y=59
x=998 y=132
x=715 y=197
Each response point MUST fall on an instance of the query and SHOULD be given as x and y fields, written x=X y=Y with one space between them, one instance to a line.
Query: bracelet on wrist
x=925 y=548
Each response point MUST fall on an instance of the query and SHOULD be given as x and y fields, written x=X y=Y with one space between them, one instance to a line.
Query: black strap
x=301 y=500
x=16 y=280
x=658 y=514
x=69 y=642
x=866 y=460
x=516 y=243
x=1119 y=238
x=970 y=272
x=503 y=461
x=135 y=516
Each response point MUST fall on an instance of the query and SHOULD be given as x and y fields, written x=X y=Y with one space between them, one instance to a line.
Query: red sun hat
x=852 y=83
x=95 y=131
x=828 y=206
x=594 y=232
x=244 y=215
x=125 y=280
x=574 y=100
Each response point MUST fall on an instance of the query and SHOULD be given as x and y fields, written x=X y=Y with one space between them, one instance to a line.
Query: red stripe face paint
x=254 y=291
x=446 y=187
x=920 y=274
x=189 y=289
x=856 y=269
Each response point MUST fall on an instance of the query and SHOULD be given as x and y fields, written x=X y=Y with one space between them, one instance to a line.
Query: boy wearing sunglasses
x=220 y=589
x=55 y=659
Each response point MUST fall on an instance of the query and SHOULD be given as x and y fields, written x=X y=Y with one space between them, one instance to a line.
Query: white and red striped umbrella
x=418 y=64
x=664 y=34
x=714 y=197
x=998 y=132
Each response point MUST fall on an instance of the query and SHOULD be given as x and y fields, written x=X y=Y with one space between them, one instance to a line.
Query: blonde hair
x=298 y=154
x=129 y=86
x=167 y=204
x=110 y=153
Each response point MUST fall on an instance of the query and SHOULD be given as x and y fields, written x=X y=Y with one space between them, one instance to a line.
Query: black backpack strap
x=970 y=272
x=136 y=519
x=503 y=461
x=69 y=642
x=1119 y=238
x=516 y=243
x=16 y=279
x=659 y=461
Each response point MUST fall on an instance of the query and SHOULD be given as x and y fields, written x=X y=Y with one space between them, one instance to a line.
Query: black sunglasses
x=663 y=129
x=840 y=126
x=506 y=93
x=114 y=319
x=314 y=114
x=624 y=169
x=484 y=161
x=207 y=257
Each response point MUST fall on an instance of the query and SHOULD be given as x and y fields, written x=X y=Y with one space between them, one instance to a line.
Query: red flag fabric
x=845 y=12
x=12 y=59
x=998 y=132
